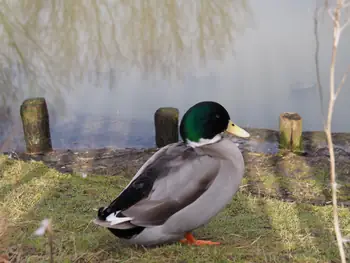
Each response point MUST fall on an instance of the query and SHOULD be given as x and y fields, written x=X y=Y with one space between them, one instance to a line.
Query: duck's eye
x=217 y=116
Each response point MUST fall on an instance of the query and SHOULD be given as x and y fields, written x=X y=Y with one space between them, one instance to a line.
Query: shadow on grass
x=303 y=183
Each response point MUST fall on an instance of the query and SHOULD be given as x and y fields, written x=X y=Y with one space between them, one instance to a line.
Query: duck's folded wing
x=176 y=183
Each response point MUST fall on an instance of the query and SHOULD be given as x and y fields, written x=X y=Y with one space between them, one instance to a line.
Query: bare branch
x=319 y=85
x=346 y=5
x=328 y=128
x=345 y=24
x=330 y=13
x=341 y=84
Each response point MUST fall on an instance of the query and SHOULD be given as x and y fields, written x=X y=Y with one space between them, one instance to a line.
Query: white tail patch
x=114 y=220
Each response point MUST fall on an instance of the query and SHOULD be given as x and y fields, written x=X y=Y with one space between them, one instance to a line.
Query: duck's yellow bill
x=236 y=130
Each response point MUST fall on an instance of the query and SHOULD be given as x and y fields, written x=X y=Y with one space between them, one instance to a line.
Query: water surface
x=105 y=69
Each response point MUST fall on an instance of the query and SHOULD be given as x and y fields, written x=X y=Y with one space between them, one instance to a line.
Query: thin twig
x=346 y=5
x=330 y=13
x=341 y=84
x=328 y=128
x=345 y=24
x=319 y=85
x=50 y=238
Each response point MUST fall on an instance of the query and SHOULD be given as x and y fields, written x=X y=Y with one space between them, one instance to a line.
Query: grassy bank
x=252 y=229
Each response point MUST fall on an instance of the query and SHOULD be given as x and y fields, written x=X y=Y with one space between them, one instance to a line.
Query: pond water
x=105 y=68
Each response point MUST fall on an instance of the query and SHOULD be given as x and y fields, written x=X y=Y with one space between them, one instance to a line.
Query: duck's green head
x=205 y=121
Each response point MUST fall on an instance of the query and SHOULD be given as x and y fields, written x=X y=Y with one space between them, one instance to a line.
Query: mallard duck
x=183 y=185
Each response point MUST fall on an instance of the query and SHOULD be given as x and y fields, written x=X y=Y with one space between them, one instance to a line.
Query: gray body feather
x=192 y=185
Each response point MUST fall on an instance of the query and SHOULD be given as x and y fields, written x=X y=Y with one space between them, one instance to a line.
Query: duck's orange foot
x=190 y=240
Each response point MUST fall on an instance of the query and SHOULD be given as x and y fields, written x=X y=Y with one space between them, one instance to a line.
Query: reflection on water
x=105 y=68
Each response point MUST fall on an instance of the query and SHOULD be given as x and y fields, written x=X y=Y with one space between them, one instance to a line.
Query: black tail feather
x=103 y=213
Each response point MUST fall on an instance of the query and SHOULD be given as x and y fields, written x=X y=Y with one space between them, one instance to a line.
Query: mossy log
x=291 y=132
x=36 y=125
x=166 y=122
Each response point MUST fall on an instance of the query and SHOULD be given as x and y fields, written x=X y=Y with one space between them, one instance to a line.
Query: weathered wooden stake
x=291 y=131
x=166 y=126
x=36 y=125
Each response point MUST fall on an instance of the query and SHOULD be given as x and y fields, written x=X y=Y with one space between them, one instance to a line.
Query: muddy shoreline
x=291 y=177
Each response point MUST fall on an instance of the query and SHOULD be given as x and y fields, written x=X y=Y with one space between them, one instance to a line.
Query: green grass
x=251 y=229
x=292 y=177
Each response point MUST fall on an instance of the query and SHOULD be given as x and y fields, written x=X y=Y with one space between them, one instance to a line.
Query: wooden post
x=166 y=126
x=36 y=125
x=291 y=131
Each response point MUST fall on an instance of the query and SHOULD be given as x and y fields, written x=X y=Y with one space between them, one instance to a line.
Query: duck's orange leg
x=189 y=239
